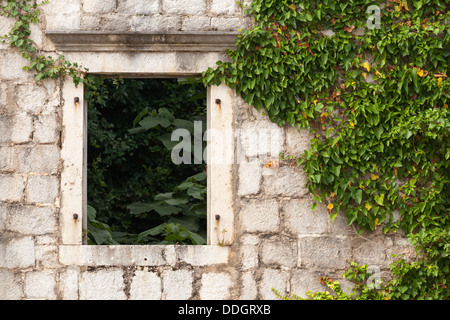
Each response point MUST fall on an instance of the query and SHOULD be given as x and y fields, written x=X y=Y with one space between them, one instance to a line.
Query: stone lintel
x=141 y=42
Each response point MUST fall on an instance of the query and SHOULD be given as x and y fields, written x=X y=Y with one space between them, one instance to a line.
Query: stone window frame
x=147 y=56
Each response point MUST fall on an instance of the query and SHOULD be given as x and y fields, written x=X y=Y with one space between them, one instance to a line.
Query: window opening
x=146 y=170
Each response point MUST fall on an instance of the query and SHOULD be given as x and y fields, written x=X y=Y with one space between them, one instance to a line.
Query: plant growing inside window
x=136 y=193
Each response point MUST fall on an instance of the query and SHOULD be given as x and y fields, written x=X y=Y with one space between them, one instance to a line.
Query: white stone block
x=11 y=188
x=145 y=286
x=32 y=220
x=371 y=251
x=68 y=283
x=99 y=6
x=64 y=22
x=260 y=215
x=250 y=257
x=300 y=219
x=36 y=35
x=42 y=189
x=262 y=139
x=250 y=176
x=46 y=240
x=196 y=23
x=177 y=284
x=202 y=255
x=46 y=129
x=306 y=280
x=62 y=15
x=146 y=255
x=102 y=285
x=114 y=22
x=16 y=129
x=3 y=217
x=226 y=7
x=296 y=141
x=340 y=225
x=228 y=24
x=11 y=64
x=215 y=286
x=10 y=285
x=249 y=287
x=180 y=7
x=277 y=252
x=5 y=27
x=286 y=181
x=47 y=256
x=39 y=159
x=40 y=285
x=170 y=255
x=7 y=159
x=90 y=22
x=324 y=252
x=272 y=279
x=17 y=253
x=249 y=251
x=62 y=6
x=155 y=23
x=53 y=100
x=31 y=98
x=138 y=6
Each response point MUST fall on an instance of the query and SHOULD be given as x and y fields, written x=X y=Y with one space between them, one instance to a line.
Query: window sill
x=142 y=255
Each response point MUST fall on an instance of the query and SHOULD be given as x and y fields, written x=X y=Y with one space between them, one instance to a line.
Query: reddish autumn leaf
x=349 y=28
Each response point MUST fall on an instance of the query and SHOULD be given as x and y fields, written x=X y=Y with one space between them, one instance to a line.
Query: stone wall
x=277 y=240
x=145 y=15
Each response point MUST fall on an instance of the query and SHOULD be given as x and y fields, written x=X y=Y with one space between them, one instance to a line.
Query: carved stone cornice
x=141 y=42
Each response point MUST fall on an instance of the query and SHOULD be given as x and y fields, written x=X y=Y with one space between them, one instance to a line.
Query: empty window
x=146 y=162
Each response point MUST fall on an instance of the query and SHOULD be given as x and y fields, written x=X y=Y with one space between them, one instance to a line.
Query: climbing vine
x=23 y=14
x=374 y=95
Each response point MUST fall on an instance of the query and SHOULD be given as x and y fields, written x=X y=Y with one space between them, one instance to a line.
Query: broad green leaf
x=379 y=199
x=140 y=207
x=137 y=130
x=91 y=213
x=337 y=170
x=196 y=192
x=379 y=131
x=166 y=210
x=196 y=238
x=358 y=196
x=185 y=124
x=164 y=196
x=188 y=222
x=185 y=185
x=198 y=177
x=152 y=232
x=176 y=201
x=151 y=122
x=139 y=116
x=100 y=233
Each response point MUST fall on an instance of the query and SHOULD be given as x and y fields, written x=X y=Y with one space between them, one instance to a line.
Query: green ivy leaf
x=358 y=196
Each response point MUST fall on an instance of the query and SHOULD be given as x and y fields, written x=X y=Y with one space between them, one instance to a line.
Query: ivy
x=376 y=103
x=25 y=13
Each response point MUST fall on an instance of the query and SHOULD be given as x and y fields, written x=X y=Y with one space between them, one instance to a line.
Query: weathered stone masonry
x=272 y=239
